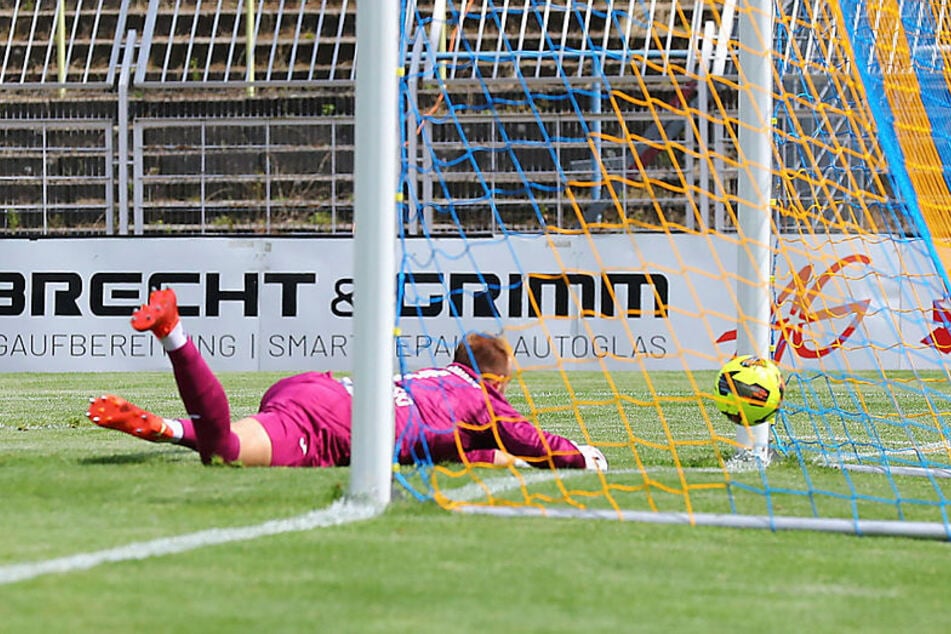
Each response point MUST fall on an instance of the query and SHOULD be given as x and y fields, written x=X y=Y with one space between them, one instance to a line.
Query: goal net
x=573 y=173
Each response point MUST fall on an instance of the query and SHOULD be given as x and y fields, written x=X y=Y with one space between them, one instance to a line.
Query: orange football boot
x=114 y=412
x=160 y=315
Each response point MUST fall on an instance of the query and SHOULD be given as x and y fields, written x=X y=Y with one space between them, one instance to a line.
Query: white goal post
x=755 y=192
x=375 y=186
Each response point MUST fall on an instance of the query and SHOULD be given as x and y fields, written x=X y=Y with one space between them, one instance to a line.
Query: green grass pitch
x=67 y=487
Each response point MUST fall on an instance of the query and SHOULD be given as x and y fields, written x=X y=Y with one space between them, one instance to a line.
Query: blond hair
x=486 y=354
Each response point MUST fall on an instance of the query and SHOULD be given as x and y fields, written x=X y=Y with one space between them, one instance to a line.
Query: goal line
x=889 y=528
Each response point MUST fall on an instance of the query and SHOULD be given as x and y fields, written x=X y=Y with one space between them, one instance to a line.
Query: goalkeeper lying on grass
x=454 y=413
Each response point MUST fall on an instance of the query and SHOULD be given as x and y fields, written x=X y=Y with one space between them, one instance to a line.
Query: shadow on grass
x=142 y=457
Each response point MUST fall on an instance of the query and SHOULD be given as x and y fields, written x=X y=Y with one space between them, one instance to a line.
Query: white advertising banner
x=578 y=302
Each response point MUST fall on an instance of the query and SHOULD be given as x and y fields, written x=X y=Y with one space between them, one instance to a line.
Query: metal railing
x=211 y=116
x=55 y=43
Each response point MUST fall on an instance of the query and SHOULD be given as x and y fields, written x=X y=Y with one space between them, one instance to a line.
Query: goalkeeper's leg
x=201 y=392
x=114 y=412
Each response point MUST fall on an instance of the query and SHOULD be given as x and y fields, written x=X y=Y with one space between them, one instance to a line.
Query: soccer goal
x=634 y=192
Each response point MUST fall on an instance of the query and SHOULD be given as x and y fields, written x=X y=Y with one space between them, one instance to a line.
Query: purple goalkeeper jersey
x=440 y=413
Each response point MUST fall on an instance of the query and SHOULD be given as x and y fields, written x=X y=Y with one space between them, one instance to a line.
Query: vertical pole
x=705 y=183
x=436 y=71
x=412 y=139
x=122 y=130
x=249 y=52
x=46 y=180
x=61 y=45
x=437 y=39
x=374 y=287
x=110 y=180
x=426 y=196
x=138 y=187
x=597 y=159
x=754 y=188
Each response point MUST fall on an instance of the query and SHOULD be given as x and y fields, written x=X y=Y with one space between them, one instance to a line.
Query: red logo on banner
x=940 y=338
x=801 y=293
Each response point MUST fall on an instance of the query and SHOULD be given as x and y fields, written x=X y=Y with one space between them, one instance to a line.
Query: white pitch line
x=340 y=512
x=509 y=482
x=495 y=485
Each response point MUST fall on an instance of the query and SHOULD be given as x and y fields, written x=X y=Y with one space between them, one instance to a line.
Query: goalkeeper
x=455 y=413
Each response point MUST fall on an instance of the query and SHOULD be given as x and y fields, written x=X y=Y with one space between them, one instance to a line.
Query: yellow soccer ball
x=749 y=389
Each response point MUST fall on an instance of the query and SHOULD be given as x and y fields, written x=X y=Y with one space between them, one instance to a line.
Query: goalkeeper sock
x=206 y=403
x=174 y=339
x=183 y=432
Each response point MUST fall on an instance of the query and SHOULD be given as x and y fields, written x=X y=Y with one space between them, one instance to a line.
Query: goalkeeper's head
x=488 y=355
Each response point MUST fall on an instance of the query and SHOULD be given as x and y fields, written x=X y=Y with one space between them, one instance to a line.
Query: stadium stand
x=145 y=117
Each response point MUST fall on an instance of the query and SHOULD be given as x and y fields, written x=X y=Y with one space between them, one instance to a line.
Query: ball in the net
x=749 y=389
